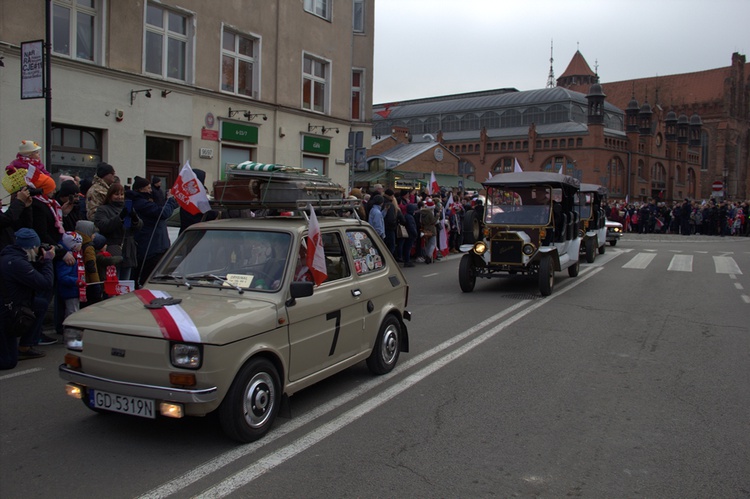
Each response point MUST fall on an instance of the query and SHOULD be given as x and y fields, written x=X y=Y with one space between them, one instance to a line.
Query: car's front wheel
x=252 y=402
x=546 y=275
x=575 y=268
x=590 y=250
x=387 y=347
x=613 y=242
x=467 y=278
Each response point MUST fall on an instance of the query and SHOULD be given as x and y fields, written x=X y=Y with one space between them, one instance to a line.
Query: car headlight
x=528 y=249
x=186 y=356
x=480 y=248
x=581 y=233
x=616 y=229
x=73 y=338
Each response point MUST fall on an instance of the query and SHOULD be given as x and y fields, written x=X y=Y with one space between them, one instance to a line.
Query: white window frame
x=358 y=16
x=166 y=34
x=361 y=90
x=254 y=60
x=320 y=8
x=311 y=77
x=97 y=38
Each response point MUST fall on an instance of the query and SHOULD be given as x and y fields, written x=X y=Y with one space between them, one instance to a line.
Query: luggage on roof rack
x=252 y=185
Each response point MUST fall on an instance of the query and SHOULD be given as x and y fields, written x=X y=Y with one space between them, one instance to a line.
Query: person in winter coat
x=411 y=228
x=157 y=192
x=119 y=225
x=153 y=239
x=71 y=279
x=94 y=286
x=428 y=220
x=27 y=276
x=16 y=217
x=28 y=155
x=105 y=176
x=375 y=217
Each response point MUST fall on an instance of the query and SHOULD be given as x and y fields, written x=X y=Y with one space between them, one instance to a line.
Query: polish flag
x=33 y=175
x=489 y=175
x=433 y=188
x=316 y=257
x=449 y=204
x=516 y=167
x=189 y=192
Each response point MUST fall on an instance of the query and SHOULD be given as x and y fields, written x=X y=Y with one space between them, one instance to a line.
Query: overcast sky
x=425 y=48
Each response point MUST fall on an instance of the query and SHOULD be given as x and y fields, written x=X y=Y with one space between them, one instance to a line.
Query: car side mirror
x=299 y=289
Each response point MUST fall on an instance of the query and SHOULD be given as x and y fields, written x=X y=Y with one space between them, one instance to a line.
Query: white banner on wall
x=32 y=70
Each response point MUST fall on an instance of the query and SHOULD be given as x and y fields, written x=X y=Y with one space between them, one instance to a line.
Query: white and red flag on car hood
x=189 y=192
x=316 y=258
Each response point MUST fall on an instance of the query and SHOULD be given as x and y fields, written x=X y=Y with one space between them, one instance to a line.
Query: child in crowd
x=71 y=279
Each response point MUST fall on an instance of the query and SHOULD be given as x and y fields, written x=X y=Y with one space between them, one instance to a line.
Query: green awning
x=370 y=176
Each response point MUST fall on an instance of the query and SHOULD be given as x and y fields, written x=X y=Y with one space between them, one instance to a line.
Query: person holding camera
x=17 y=216
x=27 y=274
x=118 y=223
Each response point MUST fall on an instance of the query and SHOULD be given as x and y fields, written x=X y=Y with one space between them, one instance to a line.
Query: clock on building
x=438 y=154
x=658 y=140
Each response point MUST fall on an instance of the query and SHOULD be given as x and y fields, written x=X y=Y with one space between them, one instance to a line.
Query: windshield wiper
x=215 y=278
x=173 y=278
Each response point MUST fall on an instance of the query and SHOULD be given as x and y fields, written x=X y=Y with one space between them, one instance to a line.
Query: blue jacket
x=67 y=280
x=20 y=278
x=154 y=222
x=376 y=220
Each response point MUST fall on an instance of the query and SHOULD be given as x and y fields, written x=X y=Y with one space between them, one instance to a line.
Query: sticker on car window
x=239 y=280
x=366 y=255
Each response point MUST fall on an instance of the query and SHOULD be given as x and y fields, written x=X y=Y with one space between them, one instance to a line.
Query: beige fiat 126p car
x=229 y=322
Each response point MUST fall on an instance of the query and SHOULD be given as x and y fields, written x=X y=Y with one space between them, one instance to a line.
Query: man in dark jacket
x=157 y=192
x=16 y=217
x=153 y=238
x=27 y=276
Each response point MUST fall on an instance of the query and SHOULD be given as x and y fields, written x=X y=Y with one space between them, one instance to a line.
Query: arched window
x=533 y=115
x=450 y=123
x=641 y=169
x=504 y=165
x=704 y=150
x=556 y=113
x=510 y=118
x=470 y=121
x=416 y=127
x=465 y=168
x=490 y=119
x=555 y=163
x=616 y=176
x=471 y=147
x=431 y=125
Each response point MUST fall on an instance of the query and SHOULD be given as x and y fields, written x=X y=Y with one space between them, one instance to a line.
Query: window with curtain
x=358 y=16
x=321 y=8
x=315 y=75
x=168 y=43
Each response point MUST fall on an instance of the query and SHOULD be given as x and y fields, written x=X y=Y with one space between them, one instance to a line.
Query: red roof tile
x=577 y=67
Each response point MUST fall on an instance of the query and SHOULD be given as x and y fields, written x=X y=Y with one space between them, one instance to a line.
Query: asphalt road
x=631 y=380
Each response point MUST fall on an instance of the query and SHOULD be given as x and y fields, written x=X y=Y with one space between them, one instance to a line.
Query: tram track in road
x=421 y=365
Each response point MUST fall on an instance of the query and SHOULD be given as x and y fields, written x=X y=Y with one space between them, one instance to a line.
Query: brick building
x=636 y=153
x=721 y=97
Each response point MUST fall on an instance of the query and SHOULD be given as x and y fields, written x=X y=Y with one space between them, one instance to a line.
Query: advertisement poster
x=32 y=70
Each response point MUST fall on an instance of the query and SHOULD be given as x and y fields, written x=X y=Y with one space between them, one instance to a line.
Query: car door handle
x=356 y=293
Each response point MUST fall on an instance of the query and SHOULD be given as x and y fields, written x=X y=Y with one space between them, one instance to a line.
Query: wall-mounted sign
x=209 y=134
x=209 y=120
x=206 y=152
x=237 y=132
x=317 y=145
x=32 y=69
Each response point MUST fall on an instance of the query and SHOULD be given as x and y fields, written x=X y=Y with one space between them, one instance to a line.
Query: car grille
x=506 y=252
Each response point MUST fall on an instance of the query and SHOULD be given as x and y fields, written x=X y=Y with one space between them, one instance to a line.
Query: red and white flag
x=516 y=166
x=316 y=257
x=189 y=192
x=433 y=188
x=33 y=175
x=449 y=204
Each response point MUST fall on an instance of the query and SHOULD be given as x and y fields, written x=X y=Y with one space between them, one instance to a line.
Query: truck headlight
x=528 y=249
x=73 y=338
x=186 y=356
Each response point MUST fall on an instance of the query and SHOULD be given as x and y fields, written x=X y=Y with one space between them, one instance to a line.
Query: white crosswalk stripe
x=684 y=263
x=726 y=265
x=681 y=263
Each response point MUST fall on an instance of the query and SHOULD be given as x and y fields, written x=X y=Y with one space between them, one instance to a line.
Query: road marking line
x=431 y=275
x=681 y=263
x=257 y=469
x=20 y=373
x=746 y=298
x=726 y=265
x=738 y=286
x=640 y=261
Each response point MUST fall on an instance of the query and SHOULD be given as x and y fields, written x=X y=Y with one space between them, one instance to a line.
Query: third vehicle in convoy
x=593 y=220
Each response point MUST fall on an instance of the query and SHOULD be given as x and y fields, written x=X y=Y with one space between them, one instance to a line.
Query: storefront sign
x=209 y=134
x=239 y=133
x=317 y=145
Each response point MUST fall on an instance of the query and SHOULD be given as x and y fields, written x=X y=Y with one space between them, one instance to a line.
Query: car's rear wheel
x=575 y=268
x=546 y=276
x=252 y=402
x=386 y=351
x=467 y=278
x=590 y=250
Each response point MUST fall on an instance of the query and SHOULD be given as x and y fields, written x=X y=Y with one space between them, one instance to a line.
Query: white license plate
x=122 y=403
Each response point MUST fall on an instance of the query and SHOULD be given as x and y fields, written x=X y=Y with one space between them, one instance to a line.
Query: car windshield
x=244 y=259
x=584 y=209
x=518 y=205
